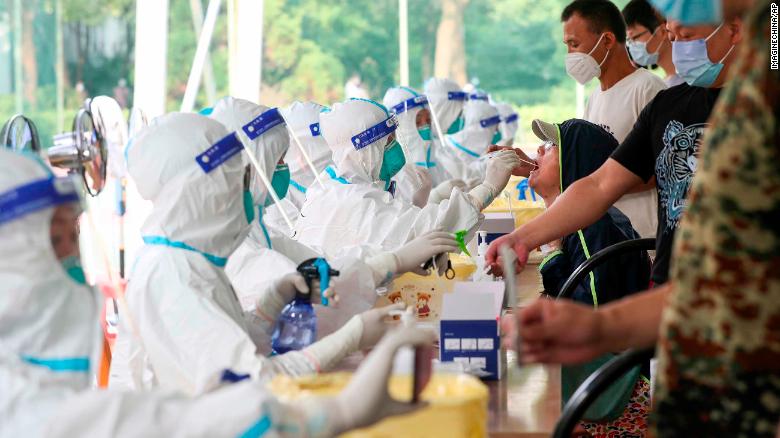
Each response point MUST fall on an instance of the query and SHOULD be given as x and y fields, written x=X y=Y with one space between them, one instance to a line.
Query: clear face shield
x=61 y=194
x=393 y=157
x=455 y=96
x=231 y=145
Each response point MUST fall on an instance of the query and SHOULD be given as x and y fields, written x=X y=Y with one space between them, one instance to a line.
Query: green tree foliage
x=311 y=47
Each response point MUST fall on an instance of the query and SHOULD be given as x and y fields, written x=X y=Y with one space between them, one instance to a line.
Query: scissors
x=449 y=273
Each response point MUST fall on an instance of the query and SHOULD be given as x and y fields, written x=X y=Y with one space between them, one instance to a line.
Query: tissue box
x=457 y=407
x=468 y=329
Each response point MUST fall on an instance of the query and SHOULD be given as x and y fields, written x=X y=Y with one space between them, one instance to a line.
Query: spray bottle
x=297 y=325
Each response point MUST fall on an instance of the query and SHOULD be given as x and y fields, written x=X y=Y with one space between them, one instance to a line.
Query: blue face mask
x=72 y=266
x=638 y=51
x=280 y=182
x=425 y=132
x=392 y=161
x=693 y=64
x=456 y=126
x=496 y=138
x=690 y=12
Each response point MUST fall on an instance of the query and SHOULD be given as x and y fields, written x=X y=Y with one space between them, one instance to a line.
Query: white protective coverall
x=355 y=209
x=267 y=254
x=470 y=144
x=303 y=119
x=50 y=338
x=510 y=122
x=446 y=101
x=191 y=324
x=420 y=171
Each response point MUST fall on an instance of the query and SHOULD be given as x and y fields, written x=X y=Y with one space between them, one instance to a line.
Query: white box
x=470 y=315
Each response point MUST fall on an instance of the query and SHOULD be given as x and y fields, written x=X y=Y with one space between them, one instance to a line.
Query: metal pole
x=18 y=83
x=403 y=40
x=208 y=69
x=59 y=67
x=193 y=82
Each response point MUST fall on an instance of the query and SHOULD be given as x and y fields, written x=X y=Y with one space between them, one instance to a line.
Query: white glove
x=411 y=256
x=444 y=190
x=273 y=299
x=420 y=198
x=499 y=169
x=375 y=324
x=472 y=182
x=366 y=400
x=459 y=184
x=360 y=332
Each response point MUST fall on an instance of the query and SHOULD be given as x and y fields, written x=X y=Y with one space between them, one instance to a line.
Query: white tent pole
x=18 y=80
x=208 y=69
x=403 y=40
x=193 y=82
x=151 y=50
x=59 y=66
x=245 y=48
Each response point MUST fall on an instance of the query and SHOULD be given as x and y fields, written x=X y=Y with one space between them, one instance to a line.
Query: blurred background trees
x=510 y=48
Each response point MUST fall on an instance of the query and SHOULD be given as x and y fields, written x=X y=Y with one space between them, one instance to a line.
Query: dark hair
x=601 y=15
x=641 y=12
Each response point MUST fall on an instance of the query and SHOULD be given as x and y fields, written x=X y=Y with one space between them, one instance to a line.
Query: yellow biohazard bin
x=522 y=210
x=458 y=404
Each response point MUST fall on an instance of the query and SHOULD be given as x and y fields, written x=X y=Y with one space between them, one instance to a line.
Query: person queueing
x=572 y=150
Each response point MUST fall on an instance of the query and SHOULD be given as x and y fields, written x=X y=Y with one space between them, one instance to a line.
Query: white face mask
x=582 y=67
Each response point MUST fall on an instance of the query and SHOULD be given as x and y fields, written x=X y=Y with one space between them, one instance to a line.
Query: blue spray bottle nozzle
x=522 y=186
x=318 y=269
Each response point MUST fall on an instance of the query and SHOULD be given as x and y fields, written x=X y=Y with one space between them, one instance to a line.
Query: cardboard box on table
x=469 y=326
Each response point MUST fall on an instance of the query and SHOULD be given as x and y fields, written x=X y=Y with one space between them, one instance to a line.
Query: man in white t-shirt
x=595 y=34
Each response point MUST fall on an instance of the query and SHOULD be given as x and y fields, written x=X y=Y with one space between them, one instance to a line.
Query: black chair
x=599 y=258
x=599 y=381
x=595 y=385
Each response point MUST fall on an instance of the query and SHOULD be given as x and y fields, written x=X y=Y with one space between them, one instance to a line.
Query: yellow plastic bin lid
x=458 y=404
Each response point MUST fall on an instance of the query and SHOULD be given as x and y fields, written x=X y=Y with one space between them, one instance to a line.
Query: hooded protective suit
x=303 y=119
x=354 y=208
x=446 y=101
x=471 y=143
x=190 y=323
x=49 y=331
x=38 y=295
x=510 y=122
x=415 y=180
